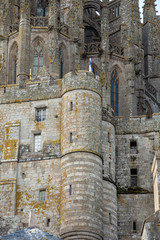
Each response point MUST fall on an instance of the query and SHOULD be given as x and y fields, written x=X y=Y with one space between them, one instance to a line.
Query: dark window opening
x=71 y=106
x=133 y=147
x=134 y=226
x=70 y=190
x=110 y=218
x=109 y=137
x=61 y=63
x=48 y=222
x=133 y=173
x=71 y=138
x=109 y=169
x=92 y=23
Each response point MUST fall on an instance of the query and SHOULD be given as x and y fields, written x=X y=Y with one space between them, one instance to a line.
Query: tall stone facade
x=79 y=118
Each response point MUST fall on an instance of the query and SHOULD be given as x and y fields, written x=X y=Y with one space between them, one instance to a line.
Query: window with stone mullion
x=38 y=59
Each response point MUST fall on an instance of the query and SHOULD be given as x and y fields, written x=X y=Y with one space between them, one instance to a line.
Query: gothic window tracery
x=61 y=63
x=13 y=64
x=37 y=59
x=63 y=60
x=115 y=92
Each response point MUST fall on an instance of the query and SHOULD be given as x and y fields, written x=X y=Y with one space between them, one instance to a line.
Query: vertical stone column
x=105 y=55
x=5 y=22
x=76 y=22
x=131 y=38
x=54 y=66
x=150 y=42
x=24 y=43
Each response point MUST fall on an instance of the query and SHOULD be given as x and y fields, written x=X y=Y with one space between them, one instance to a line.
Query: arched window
x=63 y=60
x=61 y=63
x=42 y=9
x=92 y=21
x=115 y=92
x=38 y=59
x=13 y=64
x=149 y=110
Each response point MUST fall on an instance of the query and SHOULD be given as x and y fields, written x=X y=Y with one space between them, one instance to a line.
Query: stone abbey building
x=79 y=148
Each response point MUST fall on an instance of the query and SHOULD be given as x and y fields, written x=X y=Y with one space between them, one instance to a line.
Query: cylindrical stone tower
x=81 y=214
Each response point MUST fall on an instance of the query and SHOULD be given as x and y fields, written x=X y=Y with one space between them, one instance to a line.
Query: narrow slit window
x=109 y=137
x=110 y=218
x=48 y=222
x=61 y=63
x=71 y=137
x=70 y=190
x=109 y=168
x=134 y=226
x=71 y=106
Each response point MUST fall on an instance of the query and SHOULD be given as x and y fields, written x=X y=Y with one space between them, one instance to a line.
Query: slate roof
x=29 y=234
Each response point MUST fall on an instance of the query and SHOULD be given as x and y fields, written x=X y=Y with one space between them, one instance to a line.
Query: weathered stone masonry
x=80 y=149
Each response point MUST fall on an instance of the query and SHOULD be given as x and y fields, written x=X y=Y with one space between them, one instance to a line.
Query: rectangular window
x=48 y=222
x=71 y=138
x=133 y=173
x=40 y=114
x=110 y=218
x=37 y=142
x=133 y=147
x=134 y=226
x=70 y=189
x=42 y=195
x=71 y=106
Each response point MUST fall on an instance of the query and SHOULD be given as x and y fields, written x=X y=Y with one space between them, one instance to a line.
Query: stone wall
x=135 y=203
